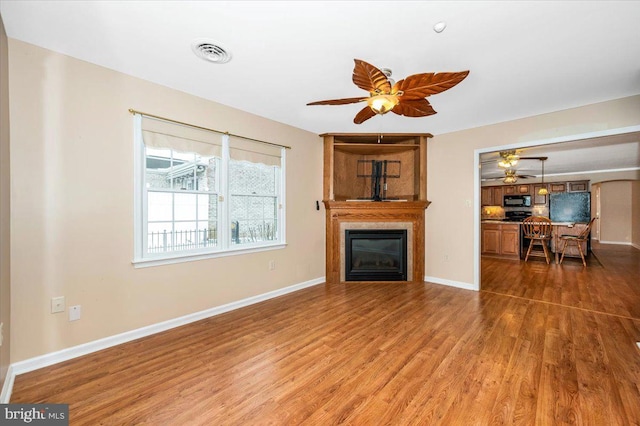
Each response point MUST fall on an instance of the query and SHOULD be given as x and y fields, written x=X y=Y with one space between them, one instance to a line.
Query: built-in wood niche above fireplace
x=375 y=183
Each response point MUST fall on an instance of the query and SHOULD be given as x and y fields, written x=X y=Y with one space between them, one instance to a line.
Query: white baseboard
x=451 y=283
x=107 y=342
x=8 y=386
x=622 y=243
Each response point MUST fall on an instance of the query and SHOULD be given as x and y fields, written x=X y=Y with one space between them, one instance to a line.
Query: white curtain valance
x=241 y=149
x=164 y=134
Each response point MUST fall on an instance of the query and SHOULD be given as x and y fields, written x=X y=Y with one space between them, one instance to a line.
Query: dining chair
x=538 y=230
x=578 y=240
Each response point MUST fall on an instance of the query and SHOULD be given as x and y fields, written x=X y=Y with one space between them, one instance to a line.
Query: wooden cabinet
x=501 y=239
x=572 y=249
x=491 y=239
x=537 y=198
x=520 y=189
x=486 y=196
x=348 y=184
x=351 y=160
x=571 y=186
x=578 y=186
x=510 y=240
x=509 y=190
x=491 y=195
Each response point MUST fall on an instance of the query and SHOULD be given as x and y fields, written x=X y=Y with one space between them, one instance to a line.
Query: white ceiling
x=525 y=57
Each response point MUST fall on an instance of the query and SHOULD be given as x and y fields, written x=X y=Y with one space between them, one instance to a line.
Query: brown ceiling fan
x=406 y=97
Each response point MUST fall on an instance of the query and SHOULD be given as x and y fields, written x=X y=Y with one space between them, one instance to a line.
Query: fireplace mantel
x=374 y=215
x=362 y=167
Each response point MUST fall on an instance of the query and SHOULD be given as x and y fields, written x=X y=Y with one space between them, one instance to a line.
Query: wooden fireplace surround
x=343 y=192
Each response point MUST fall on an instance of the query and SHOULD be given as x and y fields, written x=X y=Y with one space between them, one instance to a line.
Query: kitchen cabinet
x=523 y=189
x=510 y=240
x=578 y=186
x=572 y=249
x=538 y=199
x=509 y=190
x=491 y=195
x=571 y=186
x=490 y=239
x=501 y=239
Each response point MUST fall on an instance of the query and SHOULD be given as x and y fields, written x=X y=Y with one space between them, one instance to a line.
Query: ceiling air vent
x=210 y=51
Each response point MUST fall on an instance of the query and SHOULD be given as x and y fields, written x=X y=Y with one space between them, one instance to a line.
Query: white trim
x=622 y=243
x=141 y=257
x=282 y=197
x=477 y=215
x=107 y=342
x=585 y=172
x=636 y=246
x=451 y=283
x=7 y=388
x=183 y=257
x=139 y=195
x=476 y=180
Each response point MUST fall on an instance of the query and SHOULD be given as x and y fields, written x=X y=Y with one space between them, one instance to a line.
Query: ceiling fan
x=509 y=159
x=511 y=176
x=406 y=97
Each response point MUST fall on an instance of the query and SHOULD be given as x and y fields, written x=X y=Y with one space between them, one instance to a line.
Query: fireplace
x=375 y=254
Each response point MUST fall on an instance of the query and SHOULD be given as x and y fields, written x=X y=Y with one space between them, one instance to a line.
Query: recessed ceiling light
x=439 y=27
x=210 y=51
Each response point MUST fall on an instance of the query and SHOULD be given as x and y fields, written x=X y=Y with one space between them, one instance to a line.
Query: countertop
x=509 y=222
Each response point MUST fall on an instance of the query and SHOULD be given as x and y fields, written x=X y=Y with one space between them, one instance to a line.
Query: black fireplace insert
x=376 y=255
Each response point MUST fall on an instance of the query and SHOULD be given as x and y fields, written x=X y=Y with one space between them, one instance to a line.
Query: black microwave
x=517 y=201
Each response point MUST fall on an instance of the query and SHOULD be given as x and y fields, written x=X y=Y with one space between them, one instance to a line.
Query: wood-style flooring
x=539 y=345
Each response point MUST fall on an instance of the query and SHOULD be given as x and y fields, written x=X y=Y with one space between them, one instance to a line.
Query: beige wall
x=635 y=214
x=5 y=208
x=450 y=218
x=72 y=212
x=72 y=217
x=615 y=212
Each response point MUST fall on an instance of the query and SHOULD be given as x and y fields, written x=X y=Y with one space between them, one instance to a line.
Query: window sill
x=191 y=257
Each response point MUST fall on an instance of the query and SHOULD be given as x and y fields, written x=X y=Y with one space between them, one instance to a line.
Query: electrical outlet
x=272 y=265
x=446 y=257
x=74 y=313
x=57 y=304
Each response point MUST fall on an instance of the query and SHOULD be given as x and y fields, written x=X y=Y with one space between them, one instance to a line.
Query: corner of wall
x=5 y=210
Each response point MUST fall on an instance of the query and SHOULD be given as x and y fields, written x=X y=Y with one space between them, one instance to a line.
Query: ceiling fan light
x=507 y=163
x=382 y=104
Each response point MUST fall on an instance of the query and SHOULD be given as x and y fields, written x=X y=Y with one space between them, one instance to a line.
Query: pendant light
x=543 y=189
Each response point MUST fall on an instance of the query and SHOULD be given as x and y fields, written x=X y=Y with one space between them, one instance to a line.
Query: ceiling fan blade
x=419 y=86
x=534 y=158
x=369 y=78
x=413 y=108
x=525 y=176
x=364 y=114
x=339 y=101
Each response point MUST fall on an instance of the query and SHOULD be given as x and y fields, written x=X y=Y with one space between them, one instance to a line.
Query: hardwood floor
x=540 y=345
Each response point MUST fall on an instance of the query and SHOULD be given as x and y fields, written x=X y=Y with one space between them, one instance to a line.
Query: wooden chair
x=538 y=230
x=578 y=239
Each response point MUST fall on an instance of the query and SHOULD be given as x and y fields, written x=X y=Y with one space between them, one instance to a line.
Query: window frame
x=144 y=259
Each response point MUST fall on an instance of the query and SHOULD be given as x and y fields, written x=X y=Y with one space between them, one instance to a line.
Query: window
x=201 y=193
